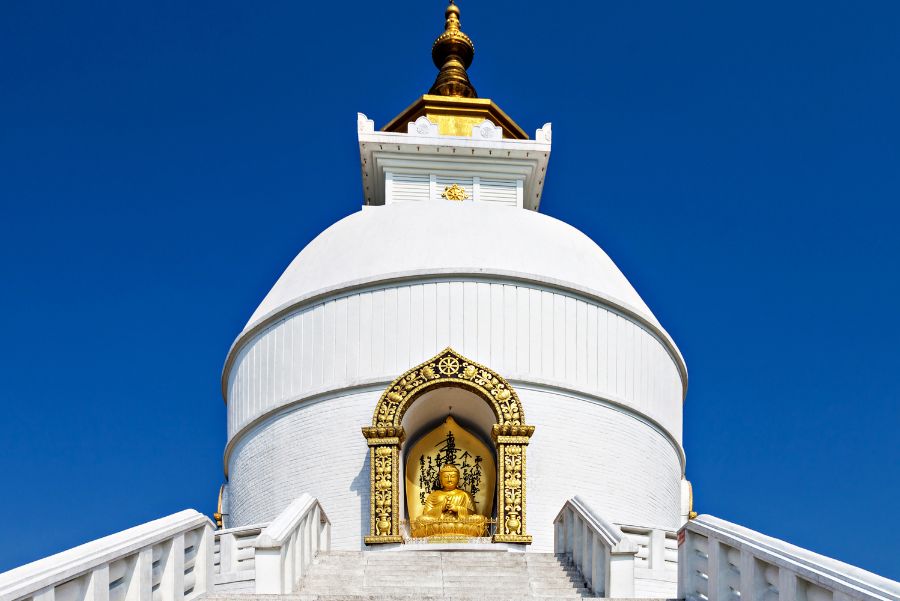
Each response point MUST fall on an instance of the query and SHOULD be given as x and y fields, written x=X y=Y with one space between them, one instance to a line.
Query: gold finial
x=452 y=53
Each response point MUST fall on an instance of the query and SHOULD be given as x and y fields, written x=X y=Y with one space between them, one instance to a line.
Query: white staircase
x=436 y=576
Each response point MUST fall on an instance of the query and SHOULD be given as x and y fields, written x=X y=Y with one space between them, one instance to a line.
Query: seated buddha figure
x=449 y=511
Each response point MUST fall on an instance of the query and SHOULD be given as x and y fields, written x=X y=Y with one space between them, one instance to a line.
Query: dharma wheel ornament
x=455 y=192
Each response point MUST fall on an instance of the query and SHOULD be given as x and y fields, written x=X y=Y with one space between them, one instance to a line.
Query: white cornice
x=429 y=152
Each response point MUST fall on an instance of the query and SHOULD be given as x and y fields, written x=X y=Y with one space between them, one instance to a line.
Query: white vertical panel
x=611 y=363
x=390 y=331
x=365 y=335
x=269 y=372
x=485 y=324
x=497 y=337
x=591 y=344
x=642 y=392
x=524 y=348
x=260 y=400
x=548 y=340
x=377 y=347
x=330 y=325
x=581 y=346
x=402 y=360
x=559 y=336
x=353 y=337
x=318 y=346
x=535 y=330
x=280 y=362
x=416 y=324
x=430 y=319
x=300 y=345
x=256 y=383
x=510 y=329
x=254 y=379
x=620 y=352
x=470 y=317
x=457 y=299
x=340 y=341
x=246 y=379
x=442 y=315
x=629 y=360
x=570 y=373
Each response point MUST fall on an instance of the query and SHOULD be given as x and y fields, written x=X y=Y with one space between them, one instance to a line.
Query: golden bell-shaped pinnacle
x=452 y=53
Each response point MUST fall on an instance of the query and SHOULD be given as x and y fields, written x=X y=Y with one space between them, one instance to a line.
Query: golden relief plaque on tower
x=455 y=192
x=450 y=479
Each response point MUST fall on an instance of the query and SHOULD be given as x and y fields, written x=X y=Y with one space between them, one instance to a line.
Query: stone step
x=440 y=576
x=395 y=597
x=414 y=597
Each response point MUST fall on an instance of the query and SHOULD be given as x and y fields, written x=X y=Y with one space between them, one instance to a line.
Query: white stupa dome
x=446 y=238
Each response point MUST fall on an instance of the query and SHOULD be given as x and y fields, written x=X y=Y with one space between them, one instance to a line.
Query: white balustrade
x=721 y=561
x=656 y=561
x=603 y=553
x=169 y=559
x=288 y=545
x=234 y=558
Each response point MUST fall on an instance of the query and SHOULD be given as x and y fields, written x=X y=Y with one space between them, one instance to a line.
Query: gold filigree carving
x=455 y=192
x=449 y=367
x=510 y=435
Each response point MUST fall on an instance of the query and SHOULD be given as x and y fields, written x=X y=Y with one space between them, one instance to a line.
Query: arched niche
x=386 y=435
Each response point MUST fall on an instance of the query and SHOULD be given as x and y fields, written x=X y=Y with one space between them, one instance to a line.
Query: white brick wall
x=625 y=467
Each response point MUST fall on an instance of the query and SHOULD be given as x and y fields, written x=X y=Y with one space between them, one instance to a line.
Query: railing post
x=787 y=585
x=204 y=570
x=749 y=578
x=596 y=566
x=556 y=536
x=98 y=584
x=686 y=559
x=140 y=581
x=621 y=575
x=657 y=554
x=171 y=584
x=324 y=536
x=227 y=553
x=288 y=562
x=586 y=548
x=576 y=541
x=714 y=569
x=268 y=571
x=314 y=530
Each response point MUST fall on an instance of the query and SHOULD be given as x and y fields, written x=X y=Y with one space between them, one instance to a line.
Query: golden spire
x=452 y=103
x=452 y=53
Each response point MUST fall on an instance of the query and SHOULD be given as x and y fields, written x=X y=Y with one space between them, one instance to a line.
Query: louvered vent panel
x=499 y=191
x=441 y=183
x=410 y=188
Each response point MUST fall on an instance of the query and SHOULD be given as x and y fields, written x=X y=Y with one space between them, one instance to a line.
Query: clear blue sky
x=162 y=162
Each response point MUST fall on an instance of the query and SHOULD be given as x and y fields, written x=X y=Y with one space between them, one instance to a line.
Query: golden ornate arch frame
x=385 y=437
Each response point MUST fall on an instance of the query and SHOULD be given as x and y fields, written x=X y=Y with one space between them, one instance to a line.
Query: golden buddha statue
x=449 y=511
